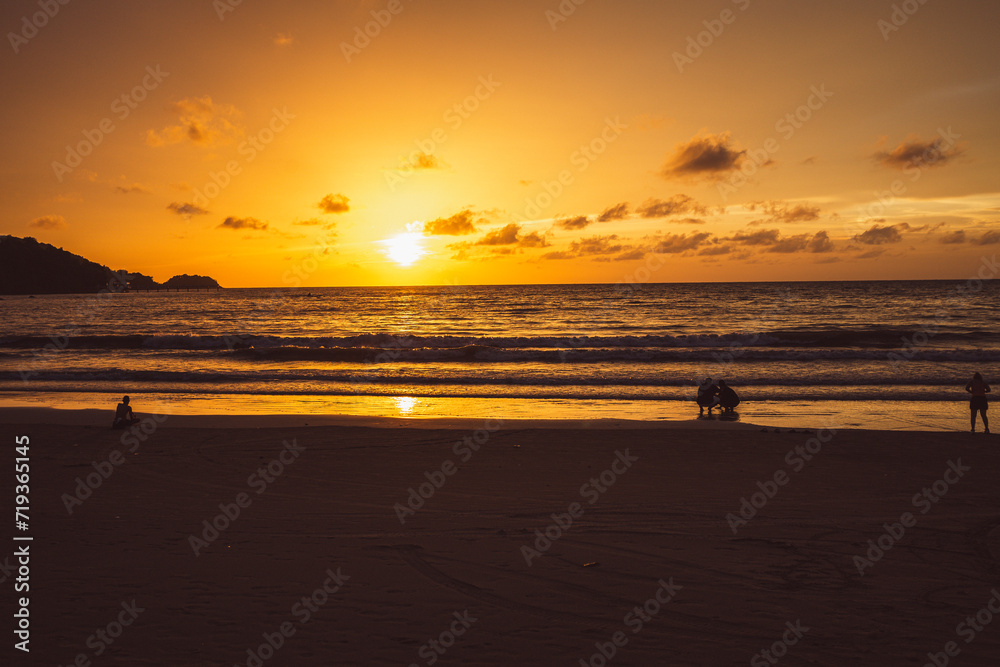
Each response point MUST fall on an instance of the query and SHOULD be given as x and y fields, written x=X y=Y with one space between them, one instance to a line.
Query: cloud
x=459 y=224
x=690 y=221
x=760 y=237
x=872 y=254
x=186 y=209
x=616 y=212
x=283 y=39
x=334 y=204
x=953 y=237
x=790 y=244
x=924 y=228
x=201 y=121
x=579 y=222
x=421 y=160
x=919 y=153
x=716 y=249
x=676 y=205
x=509 y=237
x=597 y=245
x=988 y=238
x=317 y=222
x=505 y=236
x=705 y=156
x=879 y=234
x=818 y=243
x=771 y=239
x=783 y=212
x=533 y=240
x=243 y=223
x=676 y=243
x=48 y=222
x=637 y=253
x=135 y=188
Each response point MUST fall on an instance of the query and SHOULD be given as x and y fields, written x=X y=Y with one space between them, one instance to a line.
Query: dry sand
x=663 y=518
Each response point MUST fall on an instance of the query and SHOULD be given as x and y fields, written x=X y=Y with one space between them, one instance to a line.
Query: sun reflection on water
x=404 y=404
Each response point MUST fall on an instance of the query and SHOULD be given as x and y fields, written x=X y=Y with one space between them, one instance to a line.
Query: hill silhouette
x=30 y=267
x=184 y=281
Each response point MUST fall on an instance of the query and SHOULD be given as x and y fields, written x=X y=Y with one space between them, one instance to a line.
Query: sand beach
x=198 y=541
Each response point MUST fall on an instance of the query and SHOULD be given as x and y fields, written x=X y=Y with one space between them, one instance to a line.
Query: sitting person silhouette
x=708 y=396
x=728 y=399
x=123 y=415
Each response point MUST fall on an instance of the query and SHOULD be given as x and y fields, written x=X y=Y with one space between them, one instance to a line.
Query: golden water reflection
x=404 y=404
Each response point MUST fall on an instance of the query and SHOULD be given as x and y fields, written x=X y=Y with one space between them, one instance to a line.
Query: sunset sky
x=471 y=142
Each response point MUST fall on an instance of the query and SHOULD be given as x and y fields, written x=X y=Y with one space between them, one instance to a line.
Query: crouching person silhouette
x=728 y=399
x=708 y=396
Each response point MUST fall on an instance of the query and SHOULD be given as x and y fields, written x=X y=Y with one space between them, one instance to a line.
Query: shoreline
x=94 y=418
x=101 y=418
x=441 y=412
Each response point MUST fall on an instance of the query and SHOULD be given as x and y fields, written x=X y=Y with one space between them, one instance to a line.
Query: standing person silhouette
x=124 y=415
x=978 y=388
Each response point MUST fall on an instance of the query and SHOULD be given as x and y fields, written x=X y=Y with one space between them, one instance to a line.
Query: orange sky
x=272 y=144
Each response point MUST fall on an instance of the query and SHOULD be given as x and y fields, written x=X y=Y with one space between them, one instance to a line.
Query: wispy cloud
x=952 y=238
x=135 y=188
x=676 y=205
x=590 y=247
x=778 y=211
x=186 y=209
x=579 y=222
x=200 y=121
x=917 y=152
x=616 y=212
x=423 y=161
x=48 y=222
x=678 y=243
x=243 y=223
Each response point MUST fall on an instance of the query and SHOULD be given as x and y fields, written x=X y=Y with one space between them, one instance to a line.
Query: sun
x=405 y=248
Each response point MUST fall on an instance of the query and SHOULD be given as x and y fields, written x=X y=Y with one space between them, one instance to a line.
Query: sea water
x=892 y=354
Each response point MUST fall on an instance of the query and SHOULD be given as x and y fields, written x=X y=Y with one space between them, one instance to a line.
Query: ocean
x=893 y=354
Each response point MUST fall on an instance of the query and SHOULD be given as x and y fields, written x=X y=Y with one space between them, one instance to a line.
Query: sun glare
x=405 y=249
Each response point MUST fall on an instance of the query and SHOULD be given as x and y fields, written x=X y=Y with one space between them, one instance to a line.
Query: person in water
x=708 y=396
x=728 y=399
x=123 y=415
x=978 y=388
